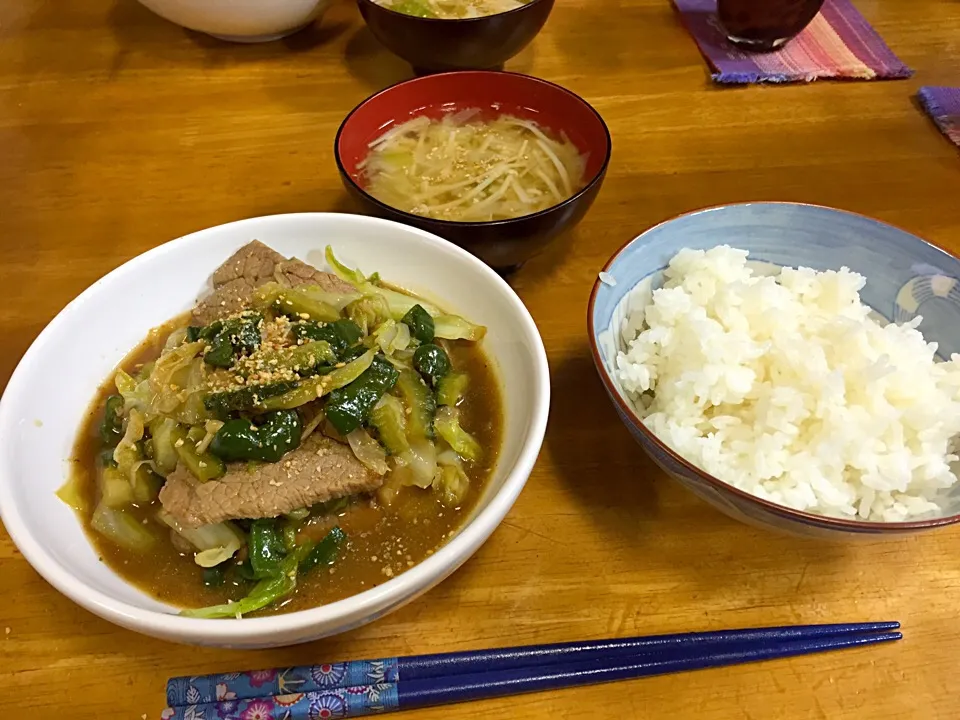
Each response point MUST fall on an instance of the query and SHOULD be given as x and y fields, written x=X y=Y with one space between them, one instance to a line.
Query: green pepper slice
x=266 y=548
x=223 y=404
x=226 y=339
x=324 y=552
x=214 y=576
x=349 y=407
x=432 y=362
x=340 y=334
x=420 y=323
x=278 y=434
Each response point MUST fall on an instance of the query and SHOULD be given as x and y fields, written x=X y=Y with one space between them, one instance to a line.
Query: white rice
x=785 y=387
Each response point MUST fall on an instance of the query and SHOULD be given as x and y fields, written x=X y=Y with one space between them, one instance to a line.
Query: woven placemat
x=943 y=105
x=838 y=43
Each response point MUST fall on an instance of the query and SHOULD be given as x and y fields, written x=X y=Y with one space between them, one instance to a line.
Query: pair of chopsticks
x=363 y=687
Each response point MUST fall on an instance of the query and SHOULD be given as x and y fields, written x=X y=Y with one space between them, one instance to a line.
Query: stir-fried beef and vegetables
x=300 y=437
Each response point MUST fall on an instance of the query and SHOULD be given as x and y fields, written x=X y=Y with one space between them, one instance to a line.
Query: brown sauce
x=382 y=541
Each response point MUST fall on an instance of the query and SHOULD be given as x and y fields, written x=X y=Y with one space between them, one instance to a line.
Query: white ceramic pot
x=241 y=20
x=43 y=408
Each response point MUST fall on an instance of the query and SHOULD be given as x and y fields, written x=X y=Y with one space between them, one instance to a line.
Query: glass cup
x=765 y=25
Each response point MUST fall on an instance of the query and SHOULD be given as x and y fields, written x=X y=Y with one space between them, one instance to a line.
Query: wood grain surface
x=120 y=131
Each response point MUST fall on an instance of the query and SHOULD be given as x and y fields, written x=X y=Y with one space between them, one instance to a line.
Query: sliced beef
x=250 y=267
x=319 y=470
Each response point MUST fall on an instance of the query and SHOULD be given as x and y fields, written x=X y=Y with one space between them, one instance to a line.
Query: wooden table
x=120 y=131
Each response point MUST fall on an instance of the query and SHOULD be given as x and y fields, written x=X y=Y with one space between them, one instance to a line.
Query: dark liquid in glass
x=765 y=25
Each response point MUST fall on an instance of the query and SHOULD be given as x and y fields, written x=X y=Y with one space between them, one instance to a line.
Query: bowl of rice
x=795 y=366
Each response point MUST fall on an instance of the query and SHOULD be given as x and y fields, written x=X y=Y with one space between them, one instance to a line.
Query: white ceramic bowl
x=241 y=20
x=43 y=408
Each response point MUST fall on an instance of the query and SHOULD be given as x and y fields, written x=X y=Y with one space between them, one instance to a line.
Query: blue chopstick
x=356 y=701
x=463 y=688
x=459 y=663
x=206 y=689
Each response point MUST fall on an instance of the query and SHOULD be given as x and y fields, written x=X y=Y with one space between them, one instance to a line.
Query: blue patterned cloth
x=286 y=681
x=342 y=702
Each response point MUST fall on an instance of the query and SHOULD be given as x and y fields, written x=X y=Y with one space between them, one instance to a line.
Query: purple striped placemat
x=943 y=105
x=838 y=43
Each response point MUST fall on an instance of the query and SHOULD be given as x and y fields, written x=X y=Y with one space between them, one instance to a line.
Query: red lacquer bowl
x=503 y=244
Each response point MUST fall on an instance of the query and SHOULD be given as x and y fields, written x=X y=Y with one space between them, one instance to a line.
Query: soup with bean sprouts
x=451 y=9
x=468 y=169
